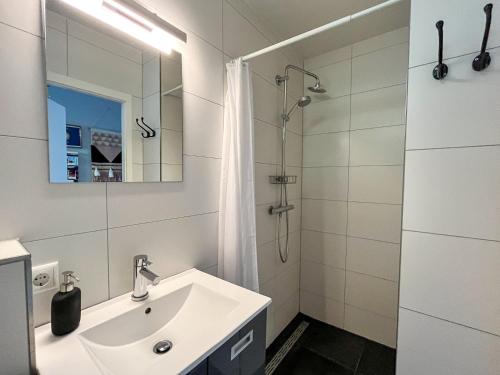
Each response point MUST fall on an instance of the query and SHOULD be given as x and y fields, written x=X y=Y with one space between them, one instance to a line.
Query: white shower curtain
x=237 y=228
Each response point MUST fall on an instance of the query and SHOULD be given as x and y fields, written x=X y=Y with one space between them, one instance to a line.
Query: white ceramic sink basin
x=195 y=311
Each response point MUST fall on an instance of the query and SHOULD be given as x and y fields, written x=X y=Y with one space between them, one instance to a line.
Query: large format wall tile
x=139 y=203
x=375 y=221
x=373 y=326
x=325 y=183
x=382 y=107
x=325 y=248
x=34 y=209
x=79 y=253
x=25 y=15
x=382 y=68
x=371 y=293
x=327 y=116
x=170 y=245
x=326 y=150
x=466 y=203
x=463 y=28
x=322 y=280
x=451 y=113
x=464 y=290
x=22 y=93
x=427 y=345
x=335 y=78
x=382 y=146
x=325 y=309
x=376 y=184
x=324 y=216
x=385 y=40
x=376 y=258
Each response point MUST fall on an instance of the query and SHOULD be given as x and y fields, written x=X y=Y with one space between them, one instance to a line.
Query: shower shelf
x=281 y=180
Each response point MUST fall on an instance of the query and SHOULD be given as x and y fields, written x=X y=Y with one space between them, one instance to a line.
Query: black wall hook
x=152 y=132
x=144 y=130
x=440 y=70
x=483 y=60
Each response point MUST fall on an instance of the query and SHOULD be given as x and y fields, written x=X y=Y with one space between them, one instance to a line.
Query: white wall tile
x=381 y=41
x=376 y=258
x=376 y=184
x=202 y=70
x=335 y=78
x=371 y=293
x=293 y=149
x=325 y=216
x=382 y=107
x=286 y=284
x=327 y=116
x=466 y=203
x=431 y=346
x=266 y=224
x=321 y=308
x=138 y=203
x=325 y=248
x=464 y=290
x=171 y=146
x=370 y=325
x=152 y=172
x=326 y=150
x=328 y=58
x=267 y=142
x=56 y=51
x=23 y=92
x=34 y=209
x=382 y=146
x=294 y=218
x=446 y=113
x=85 y=63
x=25 y=15
x=151 y=77
x=463 y=28
x=322 y=280
x=151 y=110
x=267 y=101
x=375 y=221
x=293 y=190
x=170 y=245
x=325 y=183
x=79 y=253
x=293 y=251
x=203 y=126
x=382 y=68
x=266 y=254
x=285 y=313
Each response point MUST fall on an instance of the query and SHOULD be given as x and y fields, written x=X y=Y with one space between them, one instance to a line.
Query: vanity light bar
x=134 y=20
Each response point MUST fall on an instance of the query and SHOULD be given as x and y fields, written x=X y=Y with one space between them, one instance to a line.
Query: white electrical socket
x=45 y=277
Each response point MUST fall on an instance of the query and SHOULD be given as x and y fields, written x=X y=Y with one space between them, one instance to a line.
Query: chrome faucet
x=142 y=278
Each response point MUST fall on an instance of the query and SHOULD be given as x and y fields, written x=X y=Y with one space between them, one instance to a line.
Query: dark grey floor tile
x=377 y=359
x=333 y=343
x=301 y=361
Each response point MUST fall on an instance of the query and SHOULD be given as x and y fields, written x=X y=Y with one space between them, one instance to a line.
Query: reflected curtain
x=237 y=226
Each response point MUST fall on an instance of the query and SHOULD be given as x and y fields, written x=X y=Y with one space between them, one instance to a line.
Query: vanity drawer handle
x=241 y=345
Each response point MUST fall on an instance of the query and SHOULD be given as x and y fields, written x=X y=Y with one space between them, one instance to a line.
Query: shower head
x=317 y=88
x=305 y=100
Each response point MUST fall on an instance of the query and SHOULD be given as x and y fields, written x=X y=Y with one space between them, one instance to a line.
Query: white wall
x=352 y=186
x=449 y=298
x=175 y=223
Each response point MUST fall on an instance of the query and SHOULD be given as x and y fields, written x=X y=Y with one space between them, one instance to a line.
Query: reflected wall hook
x=440 y=70
x=482 y=60
x=144 y=130
x=153 y=132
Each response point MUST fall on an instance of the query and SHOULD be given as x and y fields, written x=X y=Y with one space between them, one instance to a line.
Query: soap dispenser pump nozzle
x=68 y=285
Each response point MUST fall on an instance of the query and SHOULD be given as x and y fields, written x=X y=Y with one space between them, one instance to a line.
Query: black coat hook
x=483 y=60
x=144 y=130
x=153 y=132
x=440 y=70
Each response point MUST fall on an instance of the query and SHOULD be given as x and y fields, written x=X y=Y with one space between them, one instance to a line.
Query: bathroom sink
x=194 y=311
x=125 y=343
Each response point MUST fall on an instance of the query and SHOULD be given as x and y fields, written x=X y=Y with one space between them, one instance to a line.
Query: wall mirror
x=115 y=111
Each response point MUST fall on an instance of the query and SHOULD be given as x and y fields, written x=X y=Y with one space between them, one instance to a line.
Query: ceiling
x=287 y=18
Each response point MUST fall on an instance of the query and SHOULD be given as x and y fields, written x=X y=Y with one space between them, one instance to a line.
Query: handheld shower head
x=304 y=101
x=317 y=88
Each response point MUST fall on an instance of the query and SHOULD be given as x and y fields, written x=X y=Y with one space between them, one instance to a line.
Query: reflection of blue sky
x=87 y=110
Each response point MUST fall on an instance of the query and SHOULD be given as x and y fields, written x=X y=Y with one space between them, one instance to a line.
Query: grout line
x=19 y=29
x=22 y=137
x=353 y=166
x=433 y=62
x=450 y=321
x=63 y=236
x=375 y=313
x=452 y=147
x=450 y=235
x=350 y=201
x=353 y=130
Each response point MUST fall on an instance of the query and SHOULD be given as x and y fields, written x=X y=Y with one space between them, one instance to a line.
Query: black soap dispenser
x=66 y=306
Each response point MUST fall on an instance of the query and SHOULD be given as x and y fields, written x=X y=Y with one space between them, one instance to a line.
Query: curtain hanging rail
x=320 y=29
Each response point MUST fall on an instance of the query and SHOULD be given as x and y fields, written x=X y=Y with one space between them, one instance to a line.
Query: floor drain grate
x=289 y=343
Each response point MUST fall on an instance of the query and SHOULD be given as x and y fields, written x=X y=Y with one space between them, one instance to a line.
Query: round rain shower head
x=317 y=88
x=305 y=100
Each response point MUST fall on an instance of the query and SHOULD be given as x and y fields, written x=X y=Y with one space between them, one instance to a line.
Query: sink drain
x=162 y=347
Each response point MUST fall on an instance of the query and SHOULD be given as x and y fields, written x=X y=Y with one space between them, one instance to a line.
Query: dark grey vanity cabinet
x=242 y=354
